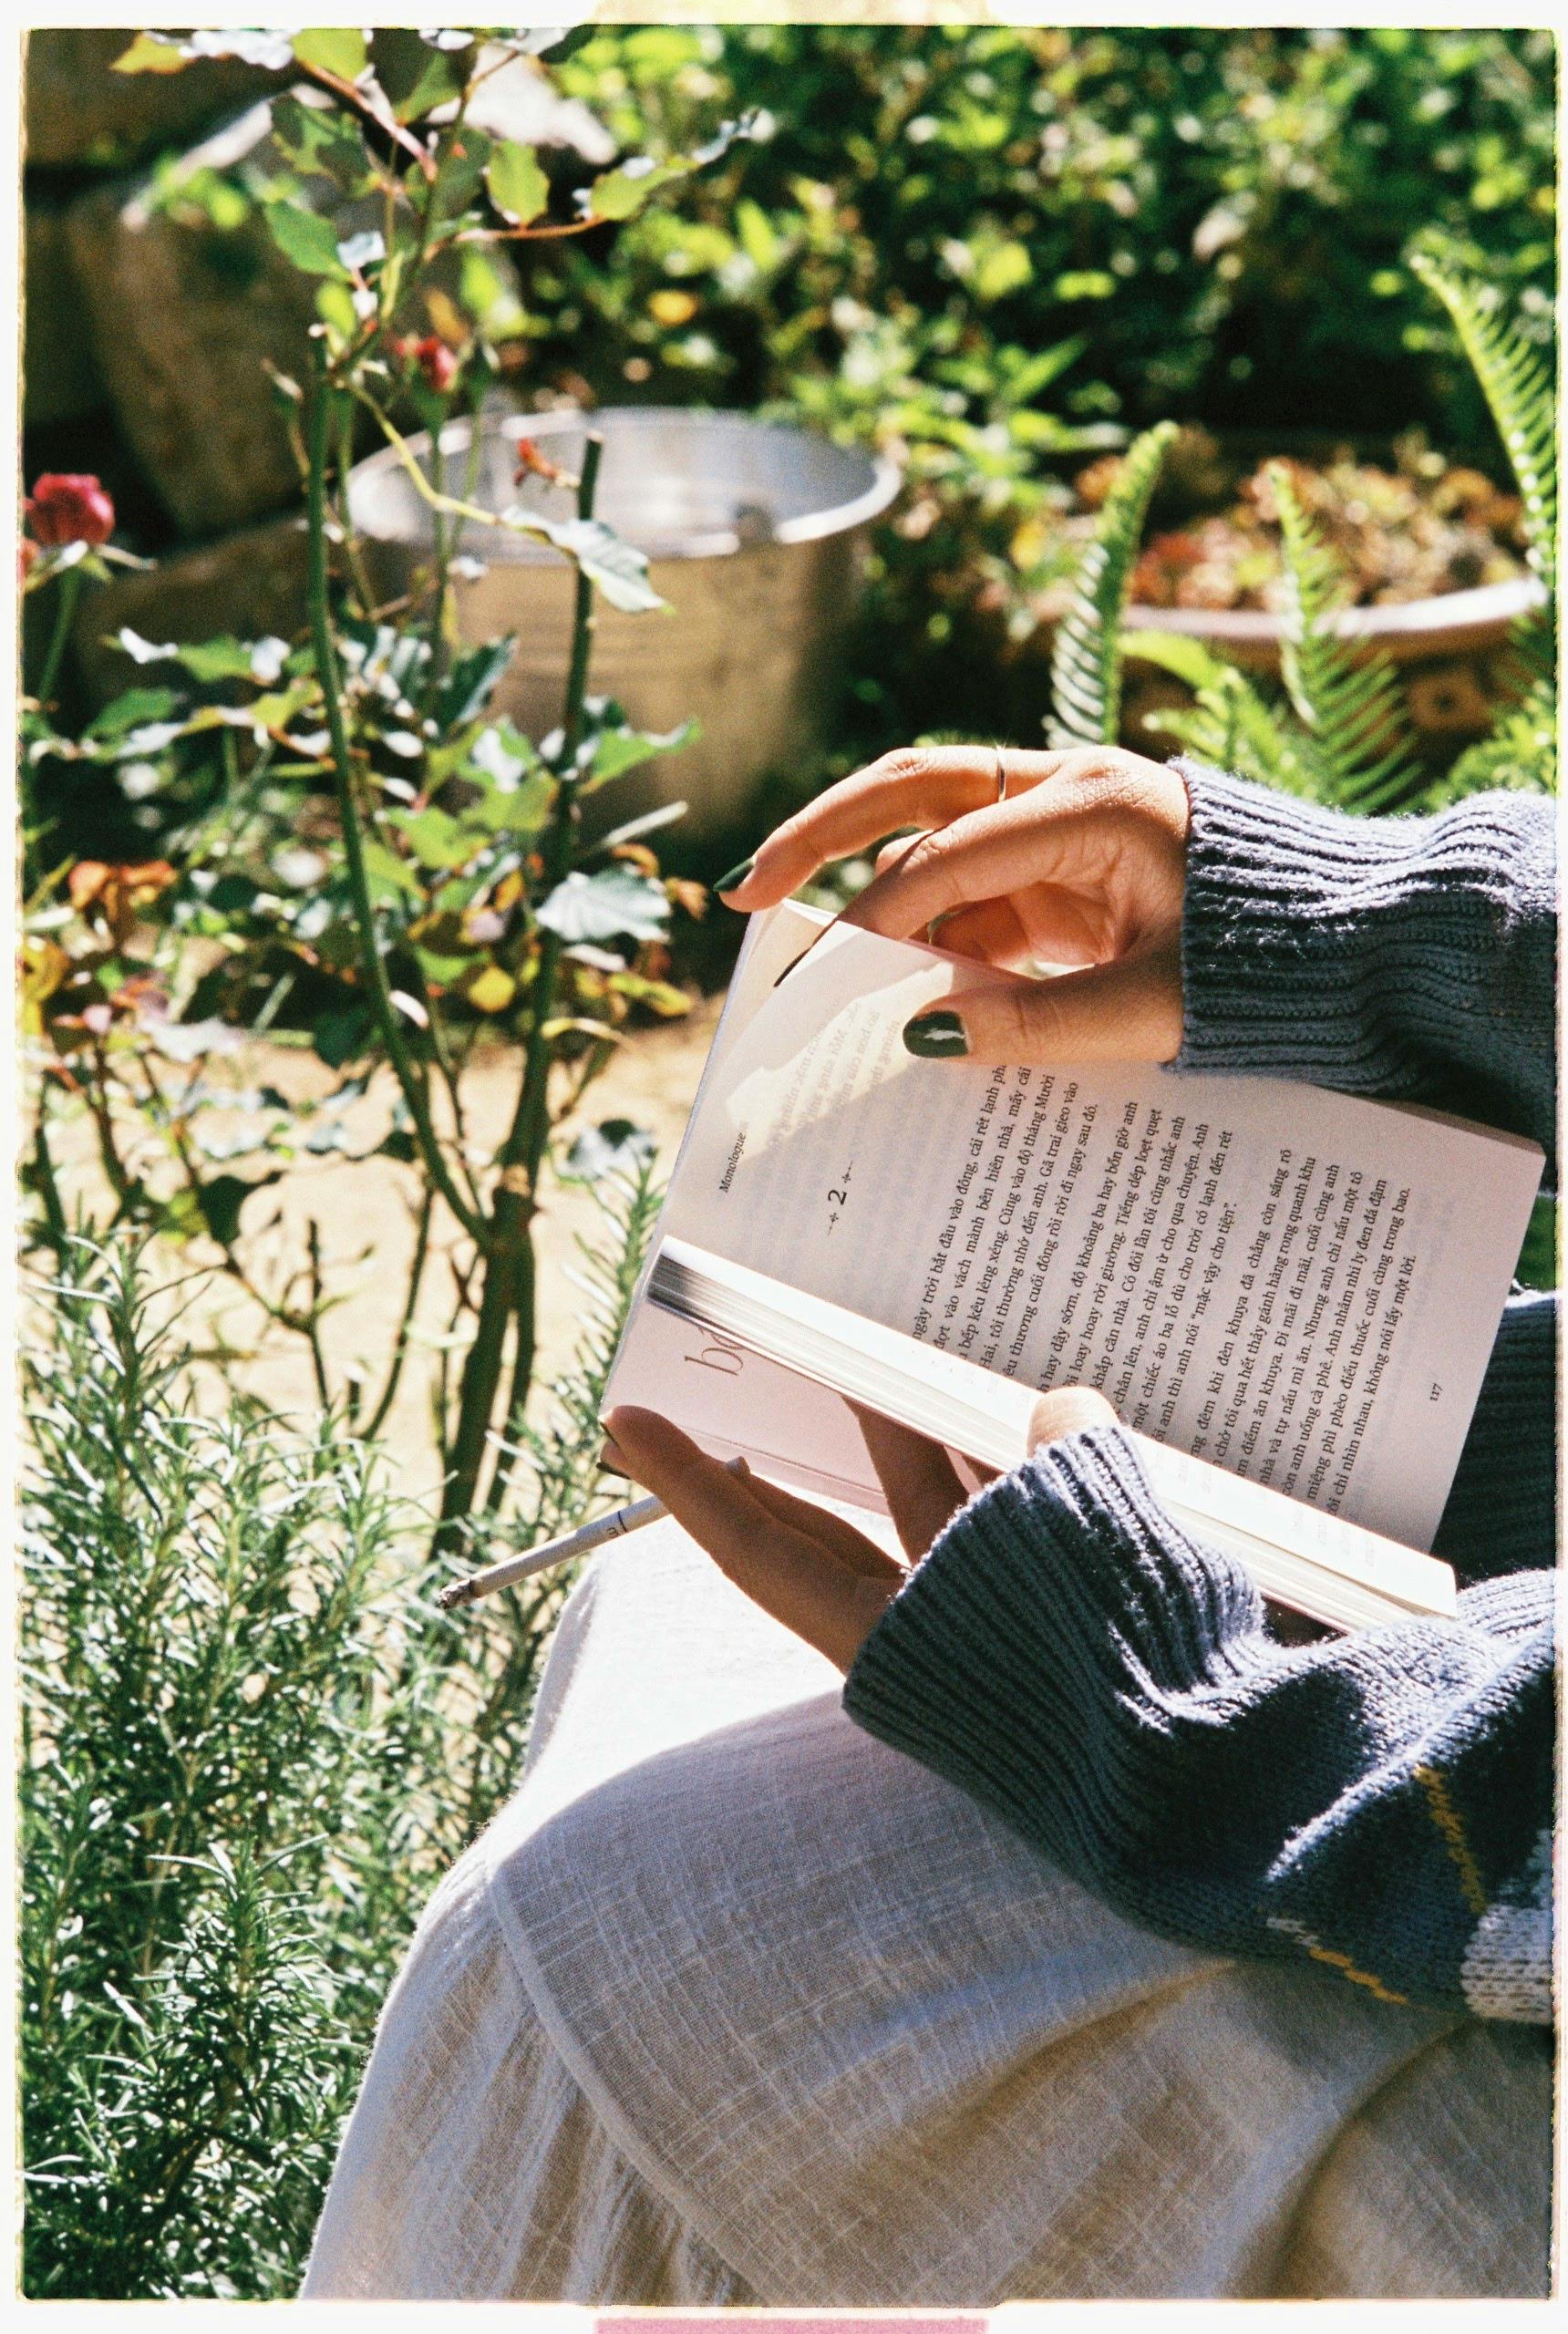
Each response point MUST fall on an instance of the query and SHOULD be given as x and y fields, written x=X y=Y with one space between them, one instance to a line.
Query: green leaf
x=759 y=239
x=620 y=193
x=221 y=659
x=518 y=187
x=1347 y=699
x=335 y=307
x=342 y=1034
x=334 y=48
x=460 y=161
x=1517 y=384
x=305 y=238
x=660 y=996
x=129 y=709
x=1002 y=268
x=469 y=685
x=152 y=52
x=436 y=840
x=616 y=904
x=1086 y=654
x=390 y=876
x=517 y=811
x=1230 y=727
x=319 y=139
x=1520 y=754
x=221 y=1200
x=620 y=570
x=616 y=752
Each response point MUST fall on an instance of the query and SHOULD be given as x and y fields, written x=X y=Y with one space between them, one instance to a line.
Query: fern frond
x=1520 y=753
x=1517 y=384
x=1230 y=726
x=1086 y=655
x=1348 y=702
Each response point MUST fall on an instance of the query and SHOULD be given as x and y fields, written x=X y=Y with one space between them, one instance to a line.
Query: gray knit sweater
x=1379 y=1802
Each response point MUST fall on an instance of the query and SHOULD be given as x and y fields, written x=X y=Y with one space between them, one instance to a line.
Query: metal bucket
x=755 y=533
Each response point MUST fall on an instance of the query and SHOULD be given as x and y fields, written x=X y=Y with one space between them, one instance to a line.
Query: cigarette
x=580 y=1542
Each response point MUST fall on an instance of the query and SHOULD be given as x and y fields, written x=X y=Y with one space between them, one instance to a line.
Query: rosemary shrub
x=250 y=1745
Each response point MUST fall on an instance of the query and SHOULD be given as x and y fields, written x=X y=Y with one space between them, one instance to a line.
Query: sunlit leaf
x=660 y=996
x=491 y=991
x=152 y=52
x=518 y=187
x=616 y=752
x=606 y=905
x=333 y=48
x=617 y=567
x=620 y=193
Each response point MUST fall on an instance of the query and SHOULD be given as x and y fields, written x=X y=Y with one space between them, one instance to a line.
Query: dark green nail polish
x=736 y=875
x=935 y=1036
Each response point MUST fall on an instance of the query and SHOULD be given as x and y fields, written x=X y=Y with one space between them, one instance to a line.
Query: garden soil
x=363 y=1212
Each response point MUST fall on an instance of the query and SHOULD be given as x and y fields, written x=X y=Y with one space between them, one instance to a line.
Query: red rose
x=438 y=363
x=69 y=508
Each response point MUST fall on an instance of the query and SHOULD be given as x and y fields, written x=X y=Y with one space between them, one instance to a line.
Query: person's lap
x=735 y=2003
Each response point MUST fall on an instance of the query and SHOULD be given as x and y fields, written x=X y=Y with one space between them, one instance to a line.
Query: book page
x=1294 y=1284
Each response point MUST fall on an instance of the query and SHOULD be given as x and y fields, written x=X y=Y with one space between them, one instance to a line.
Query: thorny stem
x=373 y=970
x=410 y=1301
x=510 y=1272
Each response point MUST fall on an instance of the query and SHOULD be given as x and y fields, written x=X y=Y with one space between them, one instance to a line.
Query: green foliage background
x=996 y=248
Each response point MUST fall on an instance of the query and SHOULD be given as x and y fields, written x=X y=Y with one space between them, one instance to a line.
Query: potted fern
x=1334 y=726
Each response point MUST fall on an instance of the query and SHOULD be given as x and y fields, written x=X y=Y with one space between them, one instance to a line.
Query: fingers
x=1129 y=1010
x=830 y=1531
x=981 y=854
x=991 y=933
x=921 y=1485
x=782 y=1568
x=922 y=786
x=1068 y=1410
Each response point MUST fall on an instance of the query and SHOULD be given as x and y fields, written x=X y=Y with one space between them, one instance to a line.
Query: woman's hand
x=809 y=1568
x=1082 y=864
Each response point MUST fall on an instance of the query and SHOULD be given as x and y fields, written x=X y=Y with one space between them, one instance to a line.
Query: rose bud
x=69 y=508
x=530 y=459
x=438 y=363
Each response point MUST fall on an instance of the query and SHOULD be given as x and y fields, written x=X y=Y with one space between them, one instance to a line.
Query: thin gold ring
x=1000 y=776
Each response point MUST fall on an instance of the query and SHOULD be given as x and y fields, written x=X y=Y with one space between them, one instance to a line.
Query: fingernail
x=936 y=1037
x=736 y=875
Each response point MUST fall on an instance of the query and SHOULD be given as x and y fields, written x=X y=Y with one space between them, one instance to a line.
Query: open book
x=1289 y=1295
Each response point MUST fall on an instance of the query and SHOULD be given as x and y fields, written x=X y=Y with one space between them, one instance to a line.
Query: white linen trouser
x=734 y=2004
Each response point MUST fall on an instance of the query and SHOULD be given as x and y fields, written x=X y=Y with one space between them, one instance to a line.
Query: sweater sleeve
x=1410 y=958
x=1379 y=1803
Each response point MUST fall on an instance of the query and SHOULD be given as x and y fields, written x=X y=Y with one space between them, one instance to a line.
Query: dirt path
x=363 y=1212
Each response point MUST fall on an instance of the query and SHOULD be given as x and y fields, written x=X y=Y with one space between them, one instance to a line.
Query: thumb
x=1069 y=1409
x=1128 y=1010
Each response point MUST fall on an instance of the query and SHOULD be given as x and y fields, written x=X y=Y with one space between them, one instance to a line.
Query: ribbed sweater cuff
x=1029 y=1657
x=1358 y=953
